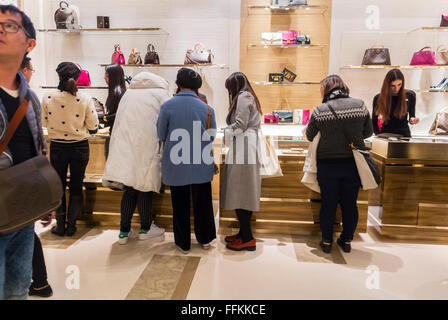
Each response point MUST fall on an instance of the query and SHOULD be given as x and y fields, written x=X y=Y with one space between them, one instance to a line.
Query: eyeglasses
x=12 y=27
x=32 y=70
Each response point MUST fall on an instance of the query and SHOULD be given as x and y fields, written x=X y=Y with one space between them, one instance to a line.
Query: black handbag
x=276 y=77
x=284 y=116
x=30 y=190
x=152 y=57
x=364 y=151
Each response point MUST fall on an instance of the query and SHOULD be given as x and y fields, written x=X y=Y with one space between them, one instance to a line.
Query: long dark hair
x=385 y=99
x=236 y=83
x=117 y=87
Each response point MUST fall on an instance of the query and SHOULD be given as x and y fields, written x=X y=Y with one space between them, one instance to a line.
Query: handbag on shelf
x=289 y=37
x=285 y=116
x=30 y=190
x=377 y=55
x=306 y=116
x=442 y=55
x=272 y=38
x=424 y=57
x=280 y=3
x=117 y=56
x=368 y=170
x=289 y=75
x=198 y=55
x=444 y=22
x=66 y=17
x=84 y=78
x=303 y=39
x=275 y=77
x=271 y=118
x=269 y=163
x=440 y=124
x=298 y=3
x=301 y=116
x=135 y=57
x=152 y=57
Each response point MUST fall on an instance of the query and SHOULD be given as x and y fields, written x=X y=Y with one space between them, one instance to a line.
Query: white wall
x=216 y=23
x=351 y=37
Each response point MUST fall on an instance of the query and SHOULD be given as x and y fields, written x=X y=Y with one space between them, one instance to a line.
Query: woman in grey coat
x=241 y=180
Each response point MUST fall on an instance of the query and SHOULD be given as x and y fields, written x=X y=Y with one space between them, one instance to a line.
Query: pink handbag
x=271 y=118
x=84 y=78
x=289 y=37
x=117 y=56
x=306 y=116
x=424 y=57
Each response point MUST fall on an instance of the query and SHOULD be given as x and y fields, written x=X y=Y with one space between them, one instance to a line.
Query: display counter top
x=420 y=148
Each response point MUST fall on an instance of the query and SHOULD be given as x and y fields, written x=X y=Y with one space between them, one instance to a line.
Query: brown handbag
x=440 y=124
x=376 y=55
x=444 y=22
x=30 y=190
x=152 y=57
x=135 y=57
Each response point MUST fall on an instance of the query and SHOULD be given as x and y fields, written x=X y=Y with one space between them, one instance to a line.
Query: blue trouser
x=16 y=267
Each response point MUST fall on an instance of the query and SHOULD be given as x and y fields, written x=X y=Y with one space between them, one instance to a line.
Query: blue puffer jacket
x=33 y=116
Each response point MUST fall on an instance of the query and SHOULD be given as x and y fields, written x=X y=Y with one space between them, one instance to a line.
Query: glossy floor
x=93 y=265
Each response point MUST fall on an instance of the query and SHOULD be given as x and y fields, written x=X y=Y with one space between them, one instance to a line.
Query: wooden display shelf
x=429 y=29
x=205 y=65
x=431 y=91
x=292 y=46
x=284 y=83
x=393 y=67
x=288 y=9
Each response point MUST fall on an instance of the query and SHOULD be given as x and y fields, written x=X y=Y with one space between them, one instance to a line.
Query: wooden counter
x=287 y=206
x=413 y=195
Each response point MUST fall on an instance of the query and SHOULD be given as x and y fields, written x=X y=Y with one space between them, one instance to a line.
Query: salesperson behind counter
x=394 y=106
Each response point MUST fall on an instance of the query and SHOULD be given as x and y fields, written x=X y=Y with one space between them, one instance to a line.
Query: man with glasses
x=17 y=39
x=27 y=69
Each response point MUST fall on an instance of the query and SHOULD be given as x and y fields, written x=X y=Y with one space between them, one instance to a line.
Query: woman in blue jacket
x=187 y=162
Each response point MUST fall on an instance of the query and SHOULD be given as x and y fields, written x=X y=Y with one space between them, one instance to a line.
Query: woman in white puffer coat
x=134 y=158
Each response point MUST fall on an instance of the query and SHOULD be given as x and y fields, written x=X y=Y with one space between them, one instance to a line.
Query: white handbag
x=271 y=38
x=442 y=55
x=269 y=164
x=198 y=55
x=310 y=167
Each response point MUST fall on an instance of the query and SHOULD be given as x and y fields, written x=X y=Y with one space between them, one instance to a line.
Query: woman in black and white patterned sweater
x=69 y=117
x=337 y=174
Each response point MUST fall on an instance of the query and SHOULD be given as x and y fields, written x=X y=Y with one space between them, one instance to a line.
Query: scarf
x=335 y=94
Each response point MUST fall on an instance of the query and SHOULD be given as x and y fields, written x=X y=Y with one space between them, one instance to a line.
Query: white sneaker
x=123 y=237
x=206 y=246
x=155 y=231
x=182 y=250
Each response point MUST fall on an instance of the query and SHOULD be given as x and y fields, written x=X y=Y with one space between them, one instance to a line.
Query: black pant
x=131 y=199
x=339 y=183
x=39 y=268
x=204 y=221
x=245 y=229
x=76 y=157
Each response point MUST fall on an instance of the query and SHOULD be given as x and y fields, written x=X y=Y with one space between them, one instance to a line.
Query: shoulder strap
x=14 y=124
x=339 y=121
x=209 y=117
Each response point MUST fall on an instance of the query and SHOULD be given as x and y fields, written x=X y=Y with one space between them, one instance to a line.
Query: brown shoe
x=230 y=239
x=238 y=245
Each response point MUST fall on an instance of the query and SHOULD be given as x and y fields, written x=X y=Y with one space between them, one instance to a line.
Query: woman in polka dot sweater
x=69 y=117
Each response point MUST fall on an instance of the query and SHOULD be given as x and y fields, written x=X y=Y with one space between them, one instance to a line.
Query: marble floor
x=92 y=265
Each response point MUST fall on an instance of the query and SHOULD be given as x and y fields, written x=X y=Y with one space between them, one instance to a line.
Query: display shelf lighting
x=284 y=83
x=119 y=30
x=278 y=46
x=393 y=67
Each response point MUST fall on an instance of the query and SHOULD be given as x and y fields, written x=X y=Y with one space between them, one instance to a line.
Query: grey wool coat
x=241 y=180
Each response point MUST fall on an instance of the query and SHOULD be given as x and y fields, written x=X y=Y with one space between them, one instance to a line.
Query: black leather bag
x=152 y=56
x=276 y=77
x=66 y=17
x=444 y=22
x=284 y=116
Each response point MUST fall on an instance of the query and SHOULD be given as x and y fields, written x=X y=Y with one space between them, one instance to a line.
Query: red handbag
x=84 y=78
x=424 y=57
x=289 y=37
x=271 y=118
x=117 y=56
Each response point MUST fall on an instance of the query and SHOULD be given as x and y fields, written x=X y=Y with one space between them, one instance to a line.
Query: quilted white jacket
x=134 y=147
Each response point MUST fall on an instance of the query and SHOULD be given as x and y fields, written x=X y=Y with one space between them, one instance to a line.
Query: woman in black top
x=114 y=77
x=394 y=107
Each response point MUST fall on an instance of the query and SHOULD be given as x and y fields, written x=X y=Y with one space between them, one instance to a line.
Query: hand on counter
x=47 y=220
x=414 y=120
